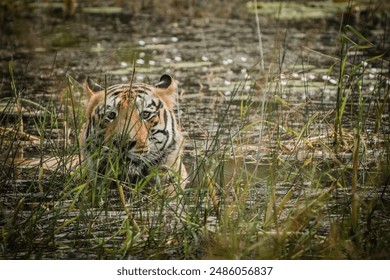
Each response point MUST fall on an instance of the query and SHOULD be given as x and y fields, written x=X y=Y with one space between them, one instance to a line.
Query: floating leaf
x=103 y=10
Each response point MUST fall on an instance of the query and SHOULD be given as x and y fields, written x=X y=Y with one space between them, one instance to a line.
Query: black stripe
x=141 y=91
x=117 y=89
x=138 y=88
x=97 y=110
x=164 y=131
x=153 y=103
x=173 y=132
x=88 y=132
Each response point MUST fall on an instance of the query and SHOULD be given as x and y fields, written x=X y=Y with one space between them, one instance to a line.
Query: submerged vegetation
x=294 y=163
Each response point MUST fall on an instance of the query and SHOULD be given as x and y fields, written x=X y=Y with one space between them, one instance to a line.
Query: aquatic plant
x=286 y=177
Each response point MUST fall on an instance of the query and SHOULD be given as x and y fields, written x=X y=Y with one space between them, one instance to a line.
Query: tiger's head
x=133 y=124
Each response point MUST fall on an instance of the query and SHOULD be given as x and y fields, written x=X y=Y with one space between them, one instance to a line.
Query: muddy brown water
x=217 y=62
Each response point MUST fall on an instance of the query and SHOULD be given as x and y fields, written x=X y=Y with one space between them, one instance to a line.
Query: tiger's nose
x=138 y=147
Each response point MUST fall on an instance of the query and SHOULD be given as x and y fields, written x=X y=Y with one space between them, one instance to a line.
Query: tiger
x=134 y=126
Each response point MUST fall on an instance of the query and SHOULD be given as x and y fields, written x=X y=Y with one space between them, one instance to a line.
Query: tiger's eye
x=145 y=115
x=111 y=115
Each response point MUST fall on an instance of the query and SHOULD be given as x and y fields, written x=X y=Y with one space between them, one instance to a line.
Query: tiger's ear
x=92 y=87
x=167 y=89
x=166 y=82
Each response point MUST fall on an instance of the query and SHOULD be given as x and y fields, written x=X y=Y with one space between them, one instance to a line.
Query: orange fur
x=128 y=120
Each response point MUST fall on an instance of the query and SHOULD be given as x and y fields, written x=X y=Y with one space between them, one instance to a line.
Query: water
x=221 y=92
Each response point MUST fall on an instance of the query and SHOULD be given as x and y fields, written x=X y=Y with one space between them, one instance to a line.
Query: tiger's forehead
x=139 y=94
x=134 y=89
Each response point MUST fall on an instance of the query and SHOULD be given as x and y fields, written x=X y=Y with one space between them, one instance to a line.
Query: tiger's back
x=133 y=125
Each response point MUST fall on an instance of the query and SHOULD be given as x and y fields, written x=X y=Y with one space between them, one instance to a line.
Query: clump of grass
x=306 y=220
x=299 y=194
